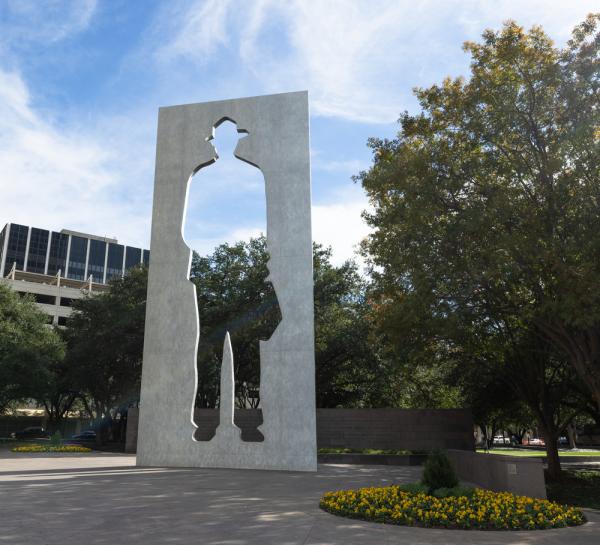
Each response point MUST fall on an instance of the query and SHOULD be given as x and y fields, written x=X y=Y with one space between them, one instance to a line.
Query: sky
x=81 y=82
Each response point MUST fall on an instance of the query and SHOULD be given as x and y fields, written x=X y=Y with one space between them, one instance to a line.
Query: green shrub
x=415 y=488
x=461 y=490
x=456 y=492
x=438 y=471
x=443 y=493
x=56 y=439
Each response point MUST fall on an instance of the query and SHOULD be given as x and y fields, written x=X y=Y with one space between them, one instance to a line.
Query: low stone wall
x=394 y=429
x=386 y=429
x=133 y=416
x=521 y=476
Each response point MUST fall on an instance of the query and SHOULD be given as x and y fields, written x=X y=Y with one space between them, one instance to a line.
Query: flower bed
x=482 y=509
x=50 y=448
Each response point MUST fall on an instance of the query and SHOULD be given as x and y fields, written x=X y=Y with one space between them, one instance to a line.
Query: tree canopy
x=233 y=296
x=29 y=348
x=485 y=209
x=105 y=339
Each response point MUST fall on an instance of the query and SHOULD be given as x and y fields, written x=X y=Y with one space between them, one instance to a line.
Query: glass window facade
x=54 y=245
x=58 y=253
x=96 y=260
x=77 y=258
x=133 y=257
x=38 y=244
x=114 y=265
x=17 y=244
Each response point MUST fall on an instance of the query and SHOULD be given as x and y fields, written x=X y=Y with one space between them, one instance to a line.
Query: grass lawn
x=364 y=451
x=538 y=453
x=579 y=487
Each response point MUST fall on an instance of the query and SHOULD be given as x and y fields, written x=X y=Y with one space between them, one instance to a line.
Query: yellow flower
x=483 y=509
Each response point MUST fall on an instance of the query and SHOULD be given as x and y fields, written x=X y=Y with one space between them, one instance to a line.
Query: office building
x=59 y=266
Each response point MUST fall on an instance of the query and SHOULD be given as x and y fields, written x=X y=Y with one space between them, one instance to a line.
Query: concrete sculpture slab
x=277 y=142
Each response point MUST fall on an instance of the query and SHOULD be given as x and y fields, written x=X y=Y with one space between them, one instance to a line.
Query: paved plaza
x=104 y=499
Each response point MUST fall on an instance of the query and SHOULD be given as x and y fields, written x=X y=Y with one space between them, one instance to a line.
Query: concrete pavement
x=104 y=499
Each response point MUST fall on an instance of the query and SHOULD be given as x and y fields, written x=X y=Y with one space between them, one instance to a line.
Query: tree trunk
x=53 y=418
x=87 y=407
x=490 y=431
x=551 y=439
x=572 y=436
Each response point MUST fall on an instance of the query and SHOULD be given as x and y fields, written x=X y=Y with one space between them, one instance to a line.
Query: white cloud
x=556 y=16
x=49 y=21
x=339 y=224
x=206 y=245
x=354 y=57
x=348 y=166
x=60 y=178
x=204 y=27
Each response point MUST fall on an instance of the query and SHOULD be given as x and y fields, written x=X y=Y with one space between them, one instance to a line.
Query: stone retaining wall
x=387 y=429
x=519 y=475
x=409 y=429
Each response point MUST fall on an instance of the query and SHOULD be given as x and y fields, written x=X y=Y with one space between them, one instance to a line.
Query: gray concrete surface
x=278 y=144
x=517 y=474
x=104 y=499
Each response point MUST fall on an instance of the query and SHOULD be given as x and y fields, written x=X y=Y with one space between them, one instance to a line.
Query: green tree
x=55 y=391
x=28 y=349
x=418 y=372
x=486 y=210
x=105 y=339
x=525 y=383
x=233 y=296
x=351 y=370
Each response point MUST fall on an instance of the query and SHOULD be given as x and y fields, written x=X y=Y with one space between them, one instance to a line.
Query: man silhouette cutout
x=232 y=310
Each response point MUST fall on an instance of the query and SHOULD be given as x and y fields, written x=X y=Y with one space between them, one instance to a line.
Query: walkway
x=104 y=499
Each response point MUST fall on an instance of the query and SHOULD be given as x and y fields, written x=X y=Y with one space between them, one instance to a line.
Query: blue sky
x=81 y=82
